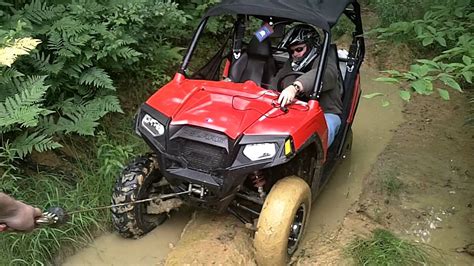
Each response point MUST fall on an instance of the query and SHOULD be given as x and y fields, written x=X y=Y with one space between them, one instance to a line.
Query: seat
x=256 y=64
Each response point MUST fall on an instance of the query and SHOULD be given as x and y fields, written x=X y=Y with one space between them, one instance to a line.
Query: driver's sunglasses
x=297 y=50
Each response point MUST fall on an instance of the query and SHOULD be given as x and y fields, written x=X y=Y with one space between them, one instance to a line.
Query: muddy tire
x=282 y=221
x=137 y=181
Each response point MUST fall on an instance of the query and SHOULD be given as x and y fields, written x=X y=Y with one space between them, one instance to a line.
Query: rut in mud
x=373 y=128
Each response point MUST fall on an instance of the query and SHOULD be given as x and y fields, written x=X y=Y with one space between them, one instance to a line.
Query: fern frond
x=24 y=144
x=55 y=42
x=83 y=118
x=32 y=89
x=79 y=123
x=22 y=108
x=19 y=47
x=38 y=12
x=96 y=77
x=7 y=75
x=68 y=27
x=41 y=61
x=76 y=69
x=126 y=53
x=103 y=105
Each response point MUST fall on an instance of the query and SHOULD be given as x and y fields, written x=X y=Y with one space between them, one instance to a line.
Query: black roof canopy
x=320 y=13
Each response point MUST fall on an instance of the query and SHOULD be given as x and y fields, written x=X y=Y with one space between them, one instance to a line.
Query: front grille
x=200 y=156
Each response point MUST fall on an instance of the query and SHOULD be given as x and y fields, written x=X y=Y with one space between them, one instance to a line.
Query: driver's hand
x=287 y=95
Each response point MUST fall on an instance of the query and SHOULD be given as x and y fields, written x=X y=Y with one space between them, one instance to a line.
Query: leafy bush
x=446 y=30
x=95 y=176
x=65 y=85
x=390 y=11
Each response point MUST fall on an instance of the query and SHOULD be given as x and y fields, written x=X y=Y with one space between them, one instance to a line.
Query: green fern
x=23 y=108
x=69 y=26
x=82 y=118
x=24 y=144
x=37 y=12
x=126 y=53
x=9 y=74
x=97 y=77
x=41 y=61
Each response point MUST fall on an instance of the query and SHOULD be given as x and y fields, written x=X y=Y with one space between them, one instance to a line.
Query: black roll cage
x=355 y=57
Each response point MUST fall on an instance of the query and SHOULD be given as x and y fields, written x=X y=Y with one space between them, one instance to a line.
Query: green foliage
x=384 y=248
x=344 y=26
x=392 y=185
x=447 y=30
x=66 y=85
x=23 y=108
x=95 y=177
x=390 y=11
x=197 y=8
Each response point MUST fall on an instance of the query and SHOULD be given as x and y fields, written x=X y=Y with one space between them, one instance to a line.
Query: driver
x=303 y=44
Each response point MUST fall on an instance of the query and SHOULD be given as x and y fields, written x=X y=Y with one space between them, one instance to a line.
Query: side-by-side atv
x=220 y=140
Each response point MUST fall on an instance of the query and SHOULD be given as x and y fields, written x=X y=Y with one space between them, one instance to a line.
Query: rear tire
x=282 y=221
x=137 y=181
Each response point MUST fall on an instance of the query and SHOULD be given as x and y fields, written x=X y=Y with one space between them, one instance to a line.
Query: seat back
x=256 y=64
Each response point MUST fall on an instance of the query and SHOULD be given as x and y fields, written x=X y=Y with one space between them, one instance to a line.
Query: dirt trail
x=373 y=129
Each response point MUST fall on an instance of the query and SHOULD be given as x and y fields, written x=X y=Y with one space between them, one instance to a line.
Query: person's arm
x=305 y=83
x=17 y=215
x=301 y=85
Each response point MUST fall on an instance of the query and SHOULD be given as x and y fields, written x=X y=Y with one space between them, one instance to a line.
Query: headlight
x=260 y=151
x=152 y=125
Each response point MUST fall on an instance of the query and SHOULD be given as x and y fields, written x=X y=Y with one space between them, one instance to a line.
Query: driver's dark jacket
x=330 y=98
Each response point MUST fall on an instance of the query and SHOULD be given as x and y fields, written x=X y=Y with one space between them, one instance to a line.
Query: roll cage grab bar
x=356 y=51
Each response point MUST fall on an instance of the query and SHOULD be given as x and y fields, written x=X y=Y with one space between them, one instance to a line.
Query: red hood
x=222 y=106
x=235 y=109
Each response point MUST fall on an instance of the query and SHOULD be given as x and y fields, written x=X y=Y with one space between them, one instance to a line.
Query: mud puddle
x=112 y=249
x=372 y=130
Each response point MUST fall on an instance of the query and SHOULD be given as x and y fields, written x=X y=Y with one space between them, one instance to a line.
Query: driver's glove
x=287 y=95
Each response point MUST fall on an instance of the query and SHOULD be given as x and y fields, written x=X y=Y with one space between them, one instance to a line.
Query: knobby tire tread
x=129 y=220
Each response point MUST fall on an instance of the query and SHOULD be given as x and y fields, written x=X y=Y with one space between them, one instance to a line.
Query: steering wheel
x=292 y=73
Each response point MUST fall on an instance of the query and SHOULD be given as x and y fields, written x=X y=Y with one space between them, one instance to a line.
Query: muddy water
x=111 y=249
x=372 y=131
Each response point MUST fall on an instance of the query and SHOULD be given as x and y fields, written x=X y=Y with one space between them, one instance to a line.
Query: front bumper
x=203 y=158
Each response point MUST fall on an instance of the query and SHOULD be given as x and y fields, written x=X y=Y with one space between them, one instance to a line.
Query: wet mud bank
x=431 y=159
x=421 y=188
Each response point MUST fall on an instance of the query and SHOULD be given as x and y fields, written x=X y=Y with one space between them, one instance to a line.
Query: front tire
x=137 y=181
x=282 y=221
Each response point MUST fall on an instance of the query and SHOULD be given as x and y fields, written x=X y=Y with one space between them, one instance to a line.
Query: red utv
x=227 y=146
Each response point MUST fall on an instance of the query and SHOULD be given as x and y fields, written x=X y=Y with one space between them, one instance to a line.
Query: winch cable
x=128 y=203
x=57 y=215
